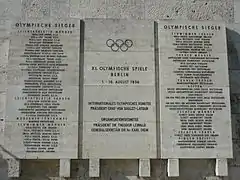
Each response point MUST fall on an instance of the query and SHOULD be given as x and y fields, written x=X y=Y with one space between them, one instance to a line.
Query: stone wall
x=225 y=10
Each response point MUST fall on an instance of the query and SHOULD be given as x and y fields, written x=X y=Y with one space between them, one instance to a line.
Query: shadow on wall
x=233 y=47
x=116 y=170
x=128 y=170
x=233 y=38
x=3 y=168
x=233 y=41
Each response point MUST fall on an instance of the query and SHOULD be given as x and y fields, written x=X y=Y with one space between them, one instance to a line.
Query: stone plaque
x=43 y=90
x=119 y=119
x=194 y=90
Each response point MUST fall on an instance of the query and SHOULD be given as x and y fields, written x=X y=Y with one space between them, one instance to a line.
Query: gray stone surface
x=219 y=78
x=10 y=9
x=101 y=76
x=236 y=12
x=234 y=81
x=133 y=85
x=64 y=99
x=59 y=9
x=128 y=169
x=87 y=9
x=210 y=10
x=13 y=167
x=113 y=29
x=64 y=169
x=154 y=9
x=130 y=9
x=35 y=9
x=178 y=91
x=165 y=9
x=144 y=167
x=2 y=115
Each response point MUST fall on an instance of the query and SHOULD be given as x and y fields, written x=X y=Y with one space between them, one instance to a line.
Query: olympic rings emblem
x=119 y=44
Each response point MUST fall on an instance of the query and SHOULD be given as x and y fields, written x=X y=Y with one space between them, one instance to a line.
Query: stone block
x=195 y=120
x=94 y=167
x=64 y=170
x=43 y=93
x=144 y=168
x=221 y=167
x=119 y=91
x=173 y=167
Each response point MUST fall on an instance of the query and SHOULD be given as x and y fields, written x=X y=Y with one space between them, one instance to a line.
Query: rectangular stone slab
x=43 y=90
x=119 y=113
x=195 y=116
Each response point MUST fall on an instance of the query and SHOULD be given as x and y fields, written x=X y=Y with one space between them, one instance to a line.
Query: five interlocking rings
x=119 y=44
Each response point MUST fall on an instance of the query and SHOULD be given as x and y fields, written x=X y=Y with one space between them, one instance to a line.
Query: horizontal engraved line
x=151 y=85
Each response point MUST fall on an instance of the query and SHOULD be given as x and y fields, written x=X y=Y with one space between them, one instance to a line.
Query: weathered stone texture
x=88 y=9
x=165 y=9
x=131 y=9
x=35 y=9
x=151 y=9
x=10 y=8
x=59 y=9
x=154 y=9
x=210 y=10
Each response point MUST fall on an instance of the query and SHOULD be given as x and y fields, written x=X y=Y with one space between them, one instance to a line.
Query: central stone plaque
x=43 y=90
x=194 y=90
x=119 y=119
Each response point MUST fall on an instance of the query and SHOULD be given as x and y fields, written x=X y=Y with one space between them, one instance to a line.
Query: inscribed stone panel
x=195 y=116
x=119 y=115
x=43 y=90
